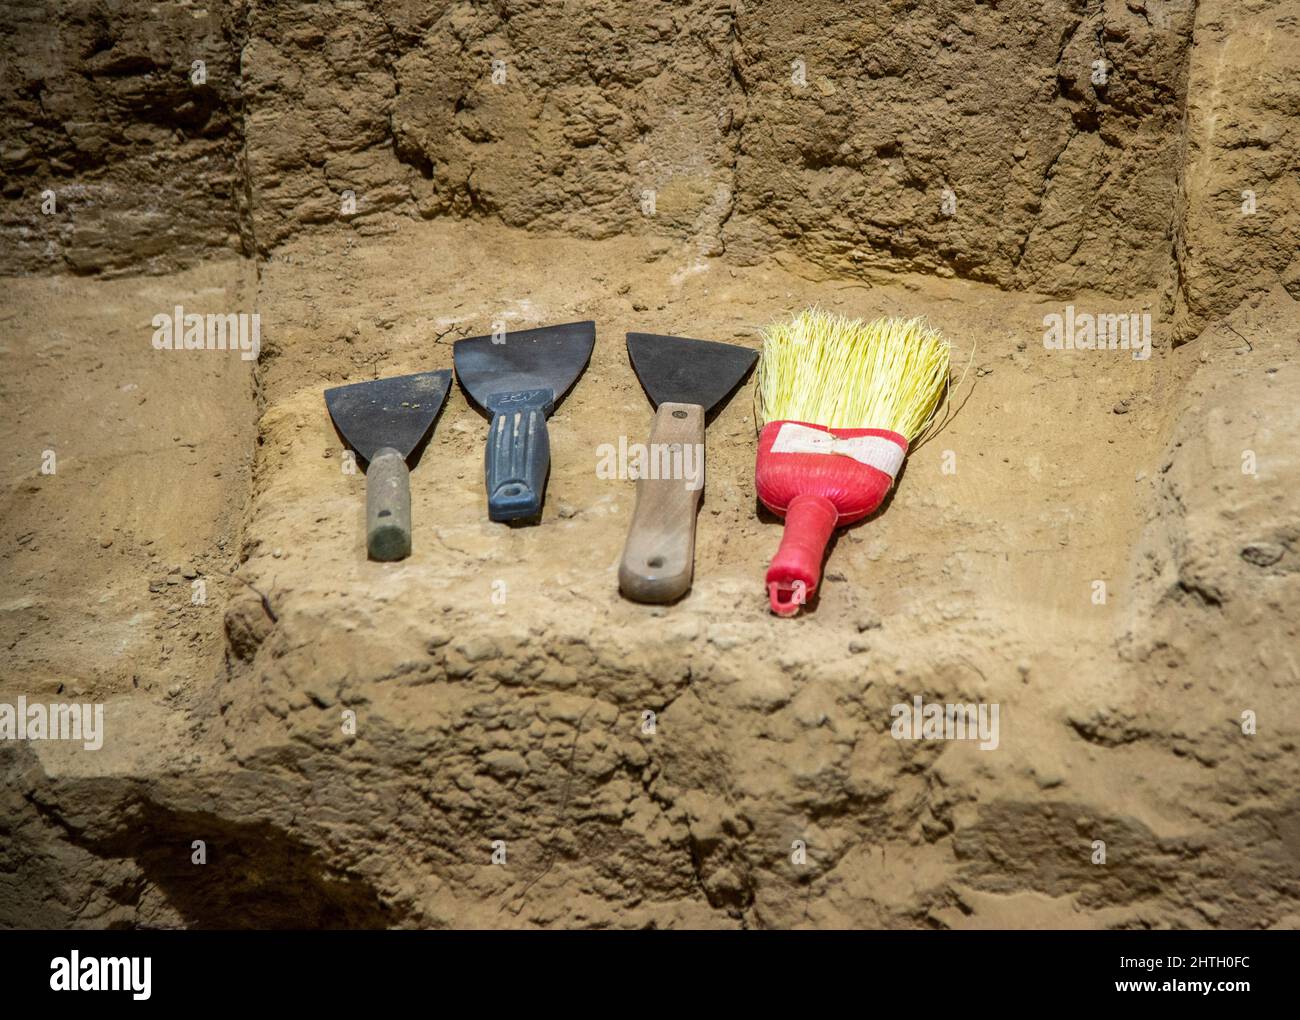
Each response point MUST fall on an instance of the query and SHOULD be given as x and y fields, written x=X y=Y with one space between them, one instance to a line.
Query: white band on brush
x=874 y=451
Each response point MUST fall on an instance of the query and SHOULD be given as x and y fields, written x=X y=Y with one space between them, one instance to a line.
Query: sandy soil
x=144 y=492
x=500 y=687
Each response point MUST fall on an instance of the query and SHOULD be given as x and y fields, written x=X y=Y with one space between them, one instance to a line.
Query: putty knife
x=383 y=421
x=518 y=378
x=686 y=380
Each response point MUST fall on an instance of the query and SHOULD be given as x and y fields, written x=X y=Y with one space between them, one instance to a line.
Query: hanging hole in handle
x=785 y=597
x=655 y=561
x=385 y=513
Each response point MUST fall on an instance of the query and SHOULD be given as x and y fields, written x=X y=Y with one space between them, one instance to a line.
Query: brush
x=840 y=402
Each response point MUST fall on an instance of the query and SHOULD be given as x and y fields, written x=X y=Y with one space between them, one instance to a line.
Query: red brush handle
x=797 y=566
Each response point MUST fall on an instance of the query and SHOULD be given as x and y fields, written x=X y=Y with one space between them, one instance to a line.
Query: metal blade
x=684 y=371
x=397 y=411
x=551 y=357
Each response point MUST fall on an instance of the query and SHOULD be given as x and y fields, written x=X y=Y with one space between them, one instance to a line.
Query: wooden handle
x=659 y=557
x=388 y=506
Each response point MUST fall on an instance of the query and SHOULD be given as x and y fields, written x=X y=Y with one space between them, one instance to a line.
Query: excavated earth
x=486 y=734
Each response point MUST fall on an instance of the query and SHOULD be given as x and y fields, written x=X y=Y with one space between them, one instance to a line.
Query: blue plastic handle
x=518 y=453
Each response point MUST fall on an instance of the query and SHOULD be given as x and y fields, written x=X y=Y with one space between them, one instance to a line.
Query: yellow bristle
x=826 y=369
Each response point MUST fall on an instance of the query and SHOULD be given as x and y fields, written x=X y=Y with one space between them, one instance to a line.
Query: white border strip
x=874 y=451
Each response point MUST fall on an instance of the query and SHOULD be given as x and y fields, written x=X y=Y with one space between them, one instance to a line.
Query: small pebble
x=1262 y=554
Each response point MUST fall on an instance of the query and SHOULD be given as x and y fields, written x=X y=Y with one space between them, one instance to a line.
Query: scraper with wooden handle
x=687 y=381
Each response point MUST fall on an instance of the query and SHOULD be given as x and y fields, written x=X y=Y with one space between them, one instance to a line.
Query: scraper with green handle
x=384 y=421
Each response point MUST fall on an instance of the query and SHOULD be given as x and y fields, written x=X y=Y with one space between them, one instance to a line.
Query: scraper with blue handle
x=518 y=378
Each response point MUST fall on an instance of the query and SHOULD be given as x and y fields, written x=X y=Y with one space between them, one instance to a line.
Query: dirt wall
x=121 y=136
x=1045 y=146
x=1239 y=214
